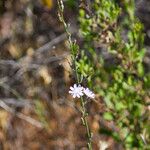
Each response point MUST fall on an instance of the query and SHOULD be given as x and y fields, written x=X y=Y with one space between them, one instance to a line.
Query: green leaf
x=108 y=116
x=120 y=106
x=140 y=69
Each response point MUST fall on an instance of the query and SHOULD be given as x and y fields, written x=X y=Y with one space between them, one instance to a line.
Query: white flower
x=76 y=91
x=103 y=145
x=88 y=93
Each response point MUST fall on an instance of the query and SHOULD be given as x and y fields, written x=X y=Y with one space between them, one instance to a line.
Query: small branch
x=17 y=102
x=32 y=65
x=50 y=44
x=21 y=115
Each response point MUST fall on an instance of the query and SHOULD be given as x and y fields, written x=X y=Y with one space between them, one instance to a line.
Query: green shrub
x=123 y=83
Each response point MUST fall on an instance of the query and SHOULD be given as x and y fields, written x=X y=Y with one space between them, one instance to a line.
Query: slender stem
x=85 y=123
x=71 y=44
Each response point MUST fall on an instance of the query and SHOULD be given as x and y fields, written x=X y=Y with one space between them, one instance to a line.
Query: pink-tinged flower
x=76 y=91
x=89 y=93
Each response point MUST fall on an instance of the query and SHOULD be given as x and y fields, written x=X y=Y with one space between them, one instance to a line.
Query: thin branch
x=21 y=115
x=17 y=102
x=50 y=44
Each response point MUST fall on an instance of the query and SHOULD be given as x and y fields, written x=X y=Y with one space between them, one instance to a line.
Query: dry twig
x=21 y=115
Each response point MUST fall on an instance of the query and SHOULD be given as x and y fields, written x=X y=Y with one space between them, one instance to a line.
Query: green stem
x=85 y=123
x=84 y=112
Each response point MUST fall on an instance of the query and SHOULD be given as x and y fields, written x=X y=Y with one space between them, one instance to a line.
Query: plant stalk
x=73 y=53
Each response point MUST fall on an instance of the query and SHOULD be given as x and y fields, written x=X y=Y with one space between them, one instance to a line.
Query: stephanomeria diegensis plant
x=77 y=91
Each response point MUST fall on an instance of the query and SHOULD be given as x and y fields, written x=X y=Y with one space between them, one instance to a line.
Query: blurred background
x=35 y=74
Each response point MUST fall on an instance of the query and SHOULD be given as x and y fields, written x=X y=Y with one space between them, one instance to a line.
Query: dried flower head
x=88 y=93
